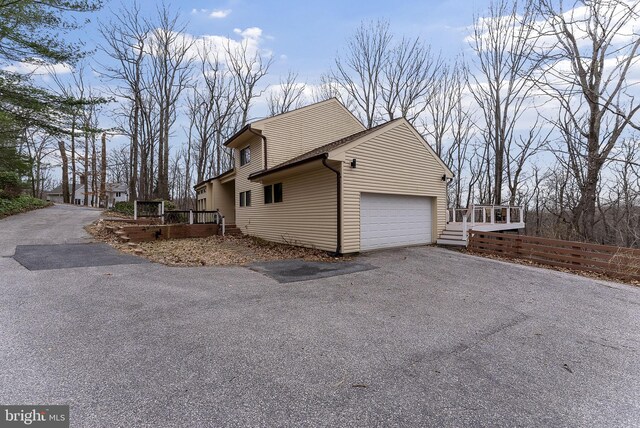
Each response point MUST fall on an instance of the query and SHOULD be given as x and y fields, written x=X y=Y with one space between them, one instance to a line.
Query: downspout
x=338 y=207
x=264 y=145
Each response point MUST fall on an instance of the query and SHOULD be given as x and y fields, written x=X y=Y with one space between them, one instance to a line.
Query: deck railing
x=192 y=217
x=483 y=215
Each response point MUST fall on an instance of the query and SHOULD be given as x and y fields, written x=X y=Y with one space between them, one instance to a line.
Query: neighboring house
x=115 y=192
x=315 y=177
x=55 y=195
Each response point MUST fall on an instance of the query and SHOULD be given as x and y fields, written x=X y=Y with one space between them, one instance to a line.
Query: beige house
x=315 y=177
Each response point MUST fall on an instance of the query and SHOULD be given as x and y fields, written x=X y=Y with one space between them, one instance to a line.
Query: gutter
x=264 y=143
x=262 y=173
x=338 y=205
x=237 y=134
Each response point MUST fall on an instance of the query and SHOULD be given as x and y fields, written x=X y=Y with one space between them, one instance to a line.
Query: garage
x=394 y=220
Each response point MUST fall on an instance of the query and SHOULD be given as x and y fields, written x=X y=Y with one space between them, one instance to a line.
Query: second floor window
x=245 y=156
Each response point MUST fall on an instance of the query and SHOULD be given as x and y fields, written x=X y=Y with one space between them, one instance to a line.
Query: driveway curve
x=427 y=337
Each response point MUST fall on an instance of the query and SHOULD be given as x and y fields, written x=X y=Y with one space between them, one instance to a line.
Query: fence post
x=222 y=225
x=508 y=214
x=465 y=233
x=135 y=210
x=161 y=208
x=190 y=216
x=493 y=214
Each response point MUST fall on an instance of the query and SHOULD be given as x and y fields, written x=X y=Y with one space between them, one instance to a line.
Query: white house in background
x=115 y=192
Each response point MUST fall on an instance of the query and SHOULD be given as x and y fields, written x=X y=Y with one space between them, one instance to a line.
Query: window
x=245 y=156
x=273 y=193
x=277 y=192
x=268 y=194
x=118 y=194
x=245 y=198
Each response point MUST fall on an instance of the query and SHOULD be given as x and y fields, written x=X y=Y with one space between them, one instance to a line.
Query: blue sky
x=305 y=36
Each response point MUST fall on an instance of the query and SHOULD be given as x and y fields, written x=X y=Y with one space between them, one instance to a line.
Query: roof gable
x=380 y=129
x=259 y=124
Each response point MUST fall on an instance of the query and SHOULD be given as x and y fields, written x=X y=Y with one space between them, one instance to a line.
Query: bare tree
x=65 y=172
x=597 y=41
x=360 y=72
x=448 y=126
x=411 y=75
x=382 y=80
x=288 y=95
x=518 y=152
x=248 y=67
x=171 y=60
x=125 y=40
x=501 y=82
x=214 y=114
x=39 y=146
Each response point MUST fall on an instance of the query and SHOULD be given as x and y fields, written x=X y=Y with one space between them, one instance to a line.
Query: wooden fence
x=616 y=262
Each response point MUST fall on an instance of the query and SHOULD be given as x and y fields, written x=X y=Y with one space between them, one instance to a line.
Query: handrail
x=192 y=216
x=498 y=214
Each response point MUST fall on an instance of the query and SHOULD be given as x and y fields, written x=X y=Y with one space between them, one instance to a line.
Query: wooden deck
x=481 y=218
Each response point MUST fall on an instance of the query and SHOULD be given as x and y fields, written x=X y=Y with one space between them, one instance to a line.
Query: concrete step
x=452 y=233
x=452 y=242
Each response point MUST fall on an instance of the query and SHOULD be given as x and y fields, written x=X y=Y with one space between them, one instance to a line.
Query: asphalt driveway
x=425 y=337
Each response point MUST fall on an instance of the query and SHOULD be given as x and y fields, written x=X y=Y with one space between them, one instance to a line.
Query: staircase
x=231 y=229
x=452 y=237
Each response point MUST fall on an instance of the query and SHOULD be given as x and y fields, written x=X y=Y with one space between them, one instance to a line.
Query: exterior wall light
x=353 y=163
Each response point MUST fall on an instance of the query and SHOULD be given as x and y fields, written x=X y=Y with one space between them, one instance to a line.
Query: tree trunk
x=65 y=172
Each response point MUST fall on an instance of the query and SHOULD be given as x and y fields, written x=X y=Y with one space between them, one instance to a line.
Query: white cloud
x=220 y=13
x=215 y=13
x=38 y=69
x=253 y=33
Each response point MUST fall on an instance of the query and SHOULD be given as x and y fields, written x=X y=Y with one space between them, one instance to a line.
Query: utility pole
x=103 y=173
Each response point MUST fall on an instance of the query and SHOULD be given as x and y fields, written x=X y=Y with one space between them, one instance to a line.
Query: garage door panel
x=394 y=220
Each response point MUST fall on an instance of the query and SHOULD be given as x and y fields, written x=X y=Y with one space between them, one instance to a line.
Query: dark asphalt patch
x=298 y=270
x=61 y=256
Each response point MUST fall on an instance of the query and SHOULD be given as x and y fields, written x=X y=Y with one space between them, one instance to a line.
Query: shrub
x=123 y=208
x=10 y=185
x=20 y=204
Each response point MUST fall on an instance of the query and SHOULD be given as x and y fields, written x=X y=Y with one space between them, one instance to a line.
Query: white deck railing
x=485 y=217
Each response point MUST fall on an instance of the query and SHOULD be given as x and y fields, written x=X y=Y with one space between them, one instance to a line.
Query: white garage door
x=394 y=220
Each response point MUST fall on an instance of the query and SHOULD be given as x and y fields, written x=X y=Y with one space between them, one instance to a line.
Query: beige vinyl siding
x=293 y=134
x=224 y=200
x=394 y=162
x=244 y=215
x=306 y=216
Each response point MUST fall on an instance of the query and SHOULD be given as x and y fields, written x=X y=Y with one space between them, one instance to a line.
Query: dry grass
x=210 y=251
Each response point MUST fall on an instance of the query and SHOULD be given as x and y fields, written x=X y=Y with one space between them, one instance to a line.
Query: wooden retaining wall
x=170 y=231
x=616 y=262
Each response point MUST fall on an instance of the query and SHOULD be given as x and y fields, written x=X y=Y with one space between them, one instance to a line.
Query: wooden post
x=493 y=214
x=190 y=216
x=508 y=214
x=135 y=210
